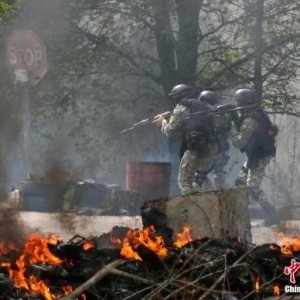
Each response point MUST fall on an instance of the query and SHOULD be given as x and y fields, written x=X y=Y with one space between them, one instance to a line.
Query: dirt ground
x=67 y=225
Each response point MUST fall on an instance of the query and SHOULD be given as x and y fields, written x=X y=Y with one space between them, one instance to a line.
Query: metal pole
x=21 y=76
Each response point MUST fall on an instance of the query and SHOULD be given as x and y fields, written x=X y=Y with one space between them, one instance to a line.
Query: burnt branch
x=106 y=270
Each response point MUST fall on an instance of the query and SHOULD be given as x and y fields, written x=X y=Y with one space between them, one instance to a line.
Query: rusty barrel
x=150 y=179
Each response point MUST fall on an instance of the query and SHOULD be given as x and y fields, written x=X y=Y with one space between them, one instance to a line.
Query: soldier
x=197 y=132
x=222 y=126
x=256 y=137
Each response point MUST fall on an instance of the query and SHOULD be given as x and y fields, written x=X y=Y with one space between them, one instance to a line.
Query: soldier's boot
x=259 y=196
x=272 y=216
x=219 y=180
x=203 y=182
x=239 y=182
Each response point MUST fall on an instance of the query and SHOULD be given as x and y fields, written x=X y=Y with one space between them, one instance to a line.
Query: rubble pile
x=85 y=197
x=141 y=264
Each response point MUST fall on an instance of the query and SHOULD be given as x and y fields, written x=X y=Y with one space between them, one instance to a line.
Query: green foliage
x=8 y=9
x=264 y=35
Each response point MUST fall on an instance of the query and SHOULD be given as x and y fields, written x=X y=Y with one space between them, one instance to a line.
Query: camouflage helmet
x=244 y=97
x=208 y=97
x=180 y=91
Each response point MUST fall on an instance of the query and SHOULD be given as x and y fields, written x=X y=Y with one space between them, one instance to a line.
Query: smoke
x=12 y=228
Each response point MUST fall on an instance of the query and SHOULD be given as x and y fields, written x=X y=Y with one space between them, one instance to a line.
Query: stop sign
x=24 y=50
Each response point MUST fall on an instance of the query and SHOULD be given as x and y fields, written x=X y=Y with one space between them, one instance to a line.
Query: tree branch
x=106 y=270
x=104 y=40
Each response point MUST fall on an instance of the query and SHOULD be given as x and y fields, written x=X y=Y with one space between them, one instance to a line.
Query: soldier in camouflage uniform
x=196 y=130
x=256 y=137
x=222 y=126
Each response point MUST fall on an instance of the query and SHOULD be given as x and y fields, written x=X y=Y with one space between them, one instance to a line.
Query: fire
x=289 y=245
x=34 y=251
x=239 y=239
x=40 y=287
x=11 y=246
x=183 y=238
x=5 y=264
x=257 y=284
x=276 y=290
x=67 y=290
x=128 y=252
x=3 y=250
x=88 y=245
x=115 y=240
x=147 y=237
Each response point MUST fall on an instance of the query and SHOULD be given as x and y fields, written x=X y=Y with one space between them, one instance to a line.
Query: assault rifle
x=166 y=114
x=223 y=109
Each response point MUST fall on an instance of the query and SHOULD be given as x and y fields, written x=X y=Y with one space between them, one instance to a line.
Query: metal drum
x=150 y=179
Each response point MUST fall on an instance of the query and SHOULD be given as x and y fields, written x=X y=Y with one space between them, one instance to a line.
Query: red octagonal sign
x=24 y=50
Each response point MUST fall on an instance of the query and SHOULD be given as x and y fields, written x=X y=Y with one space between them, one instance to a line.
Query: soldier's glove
x=159 y=121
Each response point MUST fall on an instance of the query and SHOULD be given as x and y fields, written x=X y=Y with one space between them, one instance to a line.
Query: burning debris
x=140 y=264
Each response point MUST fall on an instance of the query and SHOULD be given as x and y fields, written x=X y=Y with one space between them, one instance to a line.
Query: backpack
x=198 y=128
x=262 y=142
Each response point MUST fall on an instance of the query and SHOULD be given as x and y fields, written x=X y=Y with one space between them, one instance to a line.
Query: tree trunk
x=165 y=47
x=209 y=214
x=258 y=44
x=187 y=46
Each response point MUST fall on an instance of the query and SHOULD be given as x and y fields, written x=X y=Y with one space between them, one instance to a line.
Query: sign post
x=26 y=56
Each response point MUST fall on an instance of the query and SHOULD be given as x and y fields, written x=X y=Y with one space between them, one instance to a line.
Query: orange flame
x=67 y=289
x=183 y=238
x=257 y=284
x=239 y=239
x=11 y=246
x=289 y=245
x=276 y=290
x=128 y=252
x=40 y=287
x=147 y=238
x=115 y=240
x=5 y=264
x=35 y=251
x=3 y=250
x=88 y=245
x=138 y=237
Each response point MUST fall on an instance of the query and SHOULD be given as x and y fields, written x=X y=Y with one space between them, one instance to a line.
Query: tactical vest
x=197 y=129
x=262 y=142
x=222 y=126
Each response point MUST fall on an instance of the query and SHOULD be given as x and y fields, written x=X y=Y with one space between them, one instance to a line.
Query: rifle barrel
x=146 y=121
